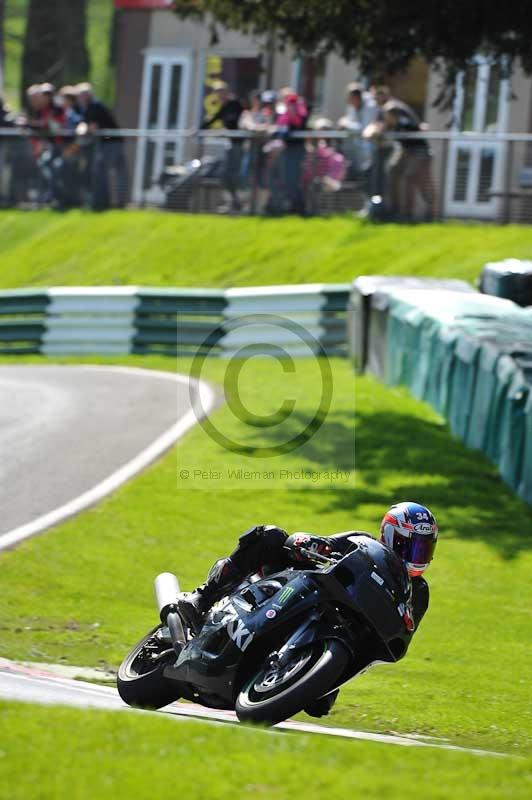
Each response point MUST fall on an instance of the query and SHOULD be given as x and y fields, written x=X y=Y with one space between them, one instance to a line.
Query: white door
x=475 y=169
x=163 y=108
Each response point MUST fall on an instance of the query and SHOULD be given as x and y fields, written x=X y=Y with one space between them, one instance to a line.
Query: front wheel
x=140 y=680
x=276 y=693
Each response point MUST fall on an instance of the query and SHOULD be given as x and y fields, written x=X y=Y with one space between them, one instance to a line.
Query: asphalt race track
x=64 y=430
x=26 y=684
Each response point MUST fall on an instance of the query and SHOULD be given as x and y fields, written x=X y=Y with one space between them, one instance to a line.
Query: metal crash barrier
x=304 y=320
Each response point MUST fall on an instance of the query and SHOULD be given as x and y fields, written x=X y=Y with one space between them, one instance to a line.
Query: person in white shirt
x=361 y=111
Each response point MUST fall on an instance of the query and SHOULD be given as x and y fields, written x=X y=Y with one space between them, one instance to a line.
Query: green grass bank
x=82 y=593
x=84 y=755
x=44 y=248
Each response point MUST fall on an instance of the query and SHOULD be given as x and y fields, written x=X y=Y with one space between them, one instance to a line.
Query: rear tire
x=272 y=696
x=140 y=681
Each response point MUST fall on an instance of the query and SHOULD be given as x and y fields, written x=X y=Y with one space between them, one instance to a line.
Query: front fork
x=309 y=631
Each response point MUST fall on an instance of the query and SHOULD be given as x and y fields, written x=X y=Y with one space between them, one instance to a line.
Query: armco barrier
x=179 y=321
x=90 y=320
x=291 y=320
x=470 y=356
x=22 y=321
x=300 y=319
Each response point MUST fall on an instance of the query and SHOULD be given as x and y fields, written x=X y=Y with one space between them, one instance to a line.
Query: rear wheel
x=276 y=693
x=140 y=680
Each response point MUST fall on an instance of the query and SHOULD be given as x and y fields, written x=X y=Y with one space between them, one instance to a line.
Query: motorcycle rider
x=407 y=528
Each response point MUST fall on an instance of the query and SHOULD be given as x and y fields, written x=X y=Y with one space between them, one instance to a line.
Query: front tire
x=273 y=694
x=140 y=680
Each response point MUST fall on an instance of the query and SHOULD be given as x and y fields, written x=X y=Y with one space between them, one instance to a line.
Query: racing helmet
x=410 y=530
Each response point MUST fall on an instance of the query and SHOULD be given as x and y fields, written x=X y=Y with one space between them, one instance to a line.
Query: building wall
x=520 y=107
x=338 y=74
x=520 y=111
x=132 y=35
x=167 y=30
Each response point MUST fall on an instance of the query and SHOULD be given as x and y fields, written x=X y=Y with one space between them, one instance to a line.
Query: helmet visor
x=421 y=548
x=416 y=549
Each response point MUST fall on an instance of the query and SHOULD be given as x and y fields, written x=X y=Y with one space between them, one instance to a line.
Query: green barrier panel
x=420 y=378
x=19 y=348
x=334 y=336
x=377 y=354
x=395 y=341
x=189 y=302
x=162 y=349
x=525 y=485
x=463 y=385
x=21 y=331
x=404 y=329
x=512 y=430
x=23 y=301
x=336 y=297
x=178 y=321
x=483 y=396
x=441 y=379
x=505 y=371
x=22 y=321
x=201 y=336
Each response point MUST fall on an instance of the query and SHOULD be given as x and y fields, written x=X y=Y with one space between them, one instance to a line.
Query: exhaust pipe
x=166 y=588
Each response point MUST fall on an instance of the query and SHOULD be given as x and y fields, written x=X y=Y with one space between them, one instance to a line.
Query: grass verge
x=154 y=248
x=82 y=593
x=88 y=754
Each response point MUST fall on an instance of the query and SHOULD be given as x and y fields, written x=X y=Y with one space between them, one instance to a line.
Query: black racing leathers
x=269 y=548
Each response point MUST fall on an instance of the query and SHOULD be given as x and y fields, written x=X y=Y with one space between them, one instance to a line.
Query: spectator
x=292 y=117
x=383 y=96
x=68 y=95
x=385 y=174
x=47 y=119
x=361 y=111
x=44 y=114
x=259 y=121
x=108 y=152
x=74 y=167
x=324 y=168
x=411 y=171
x=229 y=114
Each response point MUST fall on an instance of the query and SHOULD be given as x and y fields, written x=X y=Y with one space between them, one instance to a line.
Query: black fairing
x=373 y=582
x=345 y=601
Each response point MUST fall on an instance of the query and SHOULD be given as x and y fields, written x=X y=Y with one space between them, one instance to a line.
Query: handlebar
x=312 y=556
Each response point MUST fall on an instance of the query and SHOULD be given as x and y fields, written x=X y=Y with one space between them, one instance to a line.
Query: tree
x=383 y=35
x=55 y=42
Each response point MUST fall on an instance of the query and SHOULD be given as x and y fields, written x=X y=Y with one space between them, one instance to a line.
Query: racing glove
x=305 y=541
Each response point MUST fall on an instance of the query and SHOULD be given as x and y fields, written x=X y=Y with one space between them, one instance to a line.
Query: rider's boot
x=322 y=705
x=193 y=606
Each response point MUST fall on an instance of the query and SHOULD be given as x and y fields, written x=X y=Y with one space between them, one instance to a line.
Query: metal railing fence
x=405 y=178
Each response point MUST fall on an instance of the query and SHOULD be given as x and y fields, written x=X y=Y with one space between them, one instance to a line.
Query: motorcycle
x=277 y=643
